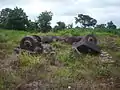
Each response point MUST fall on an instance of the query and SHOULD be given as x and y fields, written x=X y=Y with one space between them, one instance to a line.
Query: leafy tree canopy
x=101 y=26
x=111 y=25
x=4 y=13
x=44 y=21
x=60 y=25
x=14 y=19
x=85 y=20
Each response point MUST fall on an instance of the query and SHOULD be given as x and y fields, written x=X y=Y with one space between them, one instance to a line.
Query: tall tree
x=60 y=25
x=33 y=25
x=101 y=26
x=4 y=13
x=85 y=20
x=17 y=19
x=70 y=26
x=111 y=25
x=44 y=21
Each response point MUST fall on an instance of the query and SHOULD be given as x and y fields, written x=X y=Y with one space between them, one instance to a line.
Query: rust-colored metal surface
x=83 y=44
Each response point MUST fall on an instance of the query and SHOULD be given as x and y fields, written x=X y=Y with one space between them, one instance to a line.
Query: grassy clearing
x=25 y=68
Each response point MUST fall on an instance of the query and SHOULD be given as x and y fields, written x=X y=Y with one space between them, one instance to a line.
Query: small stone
x=110 y=57
x=69 y=87
x=107 y=54
x=17 y=50
x=104 y=52
x=38 y=50
x=103 y=55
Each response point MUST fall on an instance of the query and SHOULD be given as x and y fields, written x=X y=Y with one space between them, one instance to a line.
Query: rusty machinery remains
x=83 y=44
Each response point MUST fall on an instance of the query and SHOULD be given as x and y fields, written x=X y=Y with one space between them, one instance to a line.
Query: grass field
x=88 y=70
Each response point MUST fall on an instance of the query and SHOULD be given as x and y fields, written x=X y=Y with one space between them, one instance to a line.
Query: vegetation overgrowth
x=71 y=67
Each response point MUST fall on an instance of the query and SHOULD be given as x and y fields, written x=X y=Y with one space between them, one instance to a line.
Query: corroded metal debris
x=87 y=44
x=39 y=44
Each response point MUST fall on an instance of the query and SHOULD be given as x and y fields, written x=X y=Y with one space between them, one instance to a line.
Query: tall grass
x=71 y=65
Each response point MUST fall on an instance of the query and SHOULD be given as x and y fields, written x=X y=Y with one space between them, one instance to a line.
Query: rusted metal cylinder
x=36 y=43
x=50 y=39
x=90 y=38
x=88 y=44
x=37 y=37
x=46 y=39
x=73 y=39
x=30 y=43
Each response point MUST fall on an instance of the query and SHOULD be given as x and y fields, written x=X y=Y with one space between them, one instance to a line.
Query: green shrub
x=26 y=60
x=3 y=38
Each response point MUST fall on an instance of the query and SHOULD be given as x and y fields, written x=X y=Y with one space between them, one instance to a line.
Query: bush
x=3 y=38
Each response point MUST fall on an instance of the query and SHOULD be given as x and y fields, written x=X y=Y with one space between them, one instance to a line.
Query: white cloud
x=66 y=10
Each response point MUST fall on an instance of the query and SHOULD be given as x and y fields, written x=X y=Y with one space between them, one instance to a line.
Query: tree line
x=17 y=19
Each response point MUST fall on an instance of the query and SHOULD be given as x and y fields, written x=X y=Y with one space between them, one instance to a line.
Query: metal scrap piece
x=87 y=46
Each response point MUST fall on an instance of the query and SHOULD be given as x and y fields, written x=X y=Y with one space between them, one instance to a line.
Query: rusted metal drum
x=87 y=47
x=73 y=39
x=29 y=43
x=90 y=38
x=87 y=44
x=46 y=39
x=37 y=37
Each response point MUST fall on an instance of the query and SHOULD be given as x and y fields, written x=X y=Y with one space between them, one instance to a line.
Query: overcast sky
x=66 y=10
